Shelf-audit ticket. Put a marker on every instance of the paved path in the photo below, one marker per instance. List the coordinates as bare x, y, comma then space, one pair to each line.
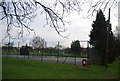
53, 59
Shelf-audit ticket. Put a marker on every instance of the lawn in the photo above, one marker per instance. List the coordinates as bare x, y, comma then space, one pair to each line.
44, 54
25, 69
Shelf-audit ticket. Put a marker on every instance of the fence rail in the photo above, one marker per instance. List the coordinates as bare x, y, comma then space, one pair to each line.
54, 59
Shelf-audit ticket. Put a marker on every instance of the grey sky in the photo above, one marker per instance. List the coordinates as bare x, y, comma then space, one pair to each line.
79, 28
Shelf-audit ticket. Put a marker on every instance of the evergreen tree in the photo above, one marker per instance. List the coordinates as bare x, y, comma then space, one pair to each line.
75, 47
101, 36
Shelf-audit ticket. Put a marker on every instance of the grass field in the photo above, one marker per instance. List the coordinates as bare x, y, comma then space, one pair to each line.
23, 69
45, 54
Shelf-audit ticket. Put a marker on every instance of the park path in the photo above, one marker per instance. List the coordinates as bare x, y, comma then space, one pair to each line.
53, 59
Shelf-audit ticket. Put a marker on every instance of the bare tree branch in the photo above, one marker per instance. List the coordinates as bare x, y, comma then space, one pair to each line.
20, 13
16, 14
101, 4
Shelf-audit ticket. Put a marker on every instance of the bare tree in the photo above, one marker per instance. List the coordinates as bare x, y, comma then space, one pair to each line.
58, 47
38, 43
19, 13
101, 4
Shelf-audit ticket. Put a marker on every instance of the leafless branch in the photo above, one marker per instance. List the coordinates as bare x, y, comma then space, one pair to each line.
101, 4
19, 13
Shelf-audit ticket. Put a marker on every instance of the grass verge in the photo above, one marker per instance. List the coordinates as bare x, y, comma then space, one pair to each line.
23, 69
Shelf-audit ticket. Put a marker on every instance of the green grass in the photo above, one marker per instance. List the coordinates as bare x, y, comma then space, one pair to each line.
23, 69
10, 53
45, 54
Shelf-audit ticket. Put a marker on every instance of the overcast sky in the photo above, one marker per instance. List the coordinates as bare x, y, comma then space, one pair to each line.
79, 28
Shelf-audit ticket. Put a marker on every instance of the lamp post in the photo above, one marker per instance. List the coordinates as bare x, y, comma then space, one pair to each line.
108, 28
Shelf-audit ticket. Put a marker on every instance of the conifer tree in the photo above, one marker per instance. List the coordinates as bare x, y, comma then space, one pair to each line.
100, 34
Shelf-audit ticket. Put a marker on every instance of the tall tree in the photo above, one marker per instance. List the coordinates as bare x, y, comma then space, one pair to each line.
75, 47
38, 43
101, 37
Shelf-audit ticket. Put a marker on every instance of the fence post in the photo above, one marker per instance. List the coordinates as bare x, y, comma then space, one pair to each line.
17, 53
28, 56
65, 59
7, 50
28, 50
18, 49
57, 58
88, 55
8, 47
58, 53
42, 56
75, 61
24, 56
